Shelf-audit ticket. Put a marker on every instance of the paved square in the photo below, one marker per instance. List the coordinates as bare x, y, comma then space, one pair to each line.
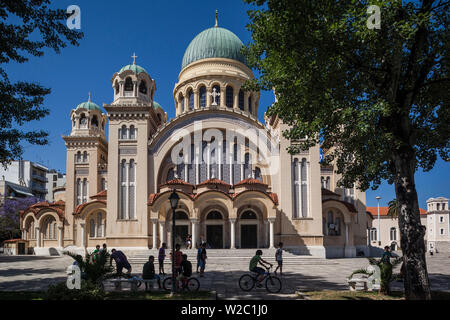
36, 273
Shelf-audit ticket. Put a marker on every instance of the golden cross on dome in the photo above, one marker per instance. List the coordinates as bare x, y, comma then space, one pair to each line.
134, 56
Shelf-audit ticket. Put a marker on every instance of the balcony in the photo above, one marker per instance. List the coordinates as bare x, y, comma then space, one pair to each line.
40, 178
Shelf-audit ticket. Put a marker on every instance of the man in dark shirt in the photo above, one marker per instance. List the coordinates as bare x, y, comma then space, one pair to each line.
121, 261
148, 272
185, 269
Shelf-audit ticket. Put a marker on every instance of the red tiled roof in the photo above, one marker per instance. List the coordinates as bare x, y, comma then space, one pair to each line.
101, 194
214, 181
175, 182
384, 211
13, 240
349, 205
154, 196
80, 207
57, 207
250, 181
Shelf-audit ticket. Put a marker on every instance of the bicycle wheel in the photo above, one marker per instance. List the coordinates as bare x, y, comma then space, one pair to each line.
167, 283
273, 284
192, 285
246, 282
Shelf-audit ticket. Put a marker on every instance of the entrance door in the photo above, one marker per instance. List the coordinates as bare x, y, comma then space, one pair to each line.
21, 248
181, 233
249, 236
214, 236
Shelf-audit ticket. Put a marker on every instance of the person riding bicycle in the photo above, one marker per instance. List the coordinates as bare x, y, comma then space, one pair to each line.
185, 269
254, 266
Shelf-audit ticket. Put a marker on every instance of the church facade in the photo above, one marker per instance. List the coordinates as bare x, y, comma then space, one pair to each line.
238, 186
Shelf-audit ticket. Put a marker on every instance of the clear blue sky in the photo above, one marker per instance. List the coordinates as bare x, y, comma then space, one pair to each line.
159, 32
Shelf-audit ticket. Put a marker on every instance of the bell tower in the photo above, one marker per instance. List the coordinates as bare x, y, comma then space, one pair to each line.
87, 155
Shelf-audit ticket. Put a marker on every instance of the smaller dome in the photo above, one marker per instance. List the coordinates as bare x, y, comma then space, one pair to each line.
156, 105
89, 105
133, 67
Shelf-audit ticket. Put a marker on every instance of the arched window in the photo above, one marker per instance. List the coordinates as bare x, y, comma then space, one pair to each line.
170, 174
250, 105
143, 87
191, 99
85, 190
133, 132
99, 225
248, 215
78, 157
116, 87
94, 121
203, 96
92, 228
123, 190
214, 215
132, 189
258, 175
247, 167
296, 188
229, 97
181, 215
83, 121
241, 99
373, 234
304, 181
85, 157
123, 132
78, 192
192, 168
49, 229
393, 233
327, 183
128, 84
236, 165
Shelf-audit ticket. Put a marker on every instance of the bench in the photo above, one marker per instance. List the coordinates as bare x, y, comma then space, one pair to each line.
358, 284
134, 283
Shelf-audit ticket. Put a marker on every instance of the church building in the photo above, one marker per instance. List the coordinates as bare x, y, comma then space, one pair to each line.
238, 186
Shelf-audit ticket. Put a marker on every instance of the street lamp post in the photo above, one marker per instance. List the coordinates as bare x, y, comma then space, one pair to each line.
174, 198
379, 230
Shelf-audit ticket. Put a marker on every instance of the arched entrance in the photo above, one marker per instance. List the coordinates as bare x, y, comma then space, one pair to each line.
249, 229
214, 230
181, 228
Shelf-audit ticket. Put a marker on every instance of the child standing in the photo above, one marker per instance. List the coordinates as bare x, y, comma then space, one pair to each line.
279, 258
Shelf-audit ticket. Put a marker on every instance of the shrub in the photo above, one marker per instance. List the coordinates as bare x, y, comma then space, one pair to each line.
88, 291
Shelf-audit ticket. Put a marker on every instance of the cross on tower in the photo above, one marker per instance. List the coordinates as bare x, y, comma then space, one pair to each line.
215, 94
134, 56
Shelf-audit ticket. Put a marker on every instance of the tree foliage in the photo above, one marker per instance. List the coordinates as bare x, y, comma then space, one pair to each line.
377, 100
393, 208
351, 88
9, 216
27, 27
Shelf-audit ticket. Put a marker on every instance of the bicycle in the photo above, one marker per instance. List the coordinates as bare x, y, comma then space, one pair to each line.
189, 284
272, 283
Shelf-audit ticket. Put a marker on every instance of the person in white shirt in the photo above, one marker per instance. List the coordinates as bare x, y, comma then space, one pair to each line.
279, 258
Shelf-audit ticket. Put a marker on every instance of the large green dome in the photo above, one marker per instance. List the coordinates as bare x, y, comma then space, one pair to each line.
214, 43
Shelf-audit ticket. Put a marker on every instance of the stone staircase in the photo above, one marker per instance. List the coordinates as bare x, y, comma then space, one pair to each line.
235, 258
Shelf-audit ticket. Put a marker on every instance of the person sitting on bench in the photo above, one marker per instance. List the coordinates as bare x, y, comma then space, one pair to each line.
148, 272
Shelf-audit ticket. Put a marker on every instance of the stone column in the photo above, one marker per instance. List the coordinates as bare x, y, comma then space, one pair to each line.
154, 232
83, 235
60, 237
271, 236
196, 102
246, 95
135, 89
233, 234
186, 103
194, 232
236, 100
38, 237
208, 97
162, 233
121, 88
222, 96
346, 234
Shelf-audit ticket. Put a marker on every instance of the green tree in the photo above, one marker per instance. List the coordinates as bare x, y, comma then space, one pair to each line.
27, 27
376, 99
393, 209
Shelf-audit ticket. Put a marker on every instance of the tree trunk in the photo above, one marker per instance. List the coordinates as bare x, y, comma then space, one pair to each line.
412, 232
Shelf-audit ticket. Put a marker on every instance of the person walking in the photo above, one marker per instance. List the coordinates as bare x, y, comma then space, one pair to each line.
279, 258
203, 258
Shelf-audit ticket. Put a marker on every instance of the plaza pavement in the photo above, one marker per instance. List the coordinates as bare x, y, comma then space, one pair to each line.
33, 273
